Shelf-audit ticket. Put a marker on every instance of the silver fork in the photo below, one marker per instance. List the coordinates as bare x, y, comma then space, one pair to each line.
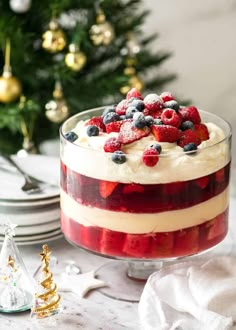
30, 185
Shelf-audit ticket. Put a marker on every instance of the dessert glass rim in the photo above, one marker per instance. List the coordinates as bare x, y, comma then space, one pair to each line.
165, 154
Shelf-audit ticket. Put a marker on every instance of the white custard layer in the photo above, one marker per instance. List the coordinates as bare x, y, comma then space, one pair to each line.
86, 156
137, 223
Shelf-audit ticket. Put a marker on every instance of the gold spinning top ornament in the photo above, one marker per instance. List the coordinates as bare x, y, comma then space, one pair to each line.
101, 33
10, 86
54, 39
75, 59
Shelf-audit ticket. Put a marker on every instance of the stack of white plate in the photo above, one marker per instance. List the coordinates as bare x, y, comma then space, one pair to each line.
37, 215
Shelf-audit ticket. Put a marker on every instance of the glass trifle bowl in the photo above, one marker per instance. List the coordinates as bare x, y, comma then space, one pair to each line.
122, 201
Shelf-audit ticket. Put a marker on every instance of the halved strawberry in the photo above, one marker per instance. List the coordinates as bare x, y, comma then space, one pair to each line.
165, 133
134, 92
162, 244
122, 106
116, 125
112, 242
133, 187
191, 114
128, 133
202, 131
217, 227
186, 241
202, 182
97, 121
188, 136
106, 188
89, 237
137, 245
220, 175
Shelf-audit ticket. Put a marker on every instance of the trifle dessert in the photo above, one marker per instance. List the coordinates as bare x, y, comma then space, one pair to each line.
145, 179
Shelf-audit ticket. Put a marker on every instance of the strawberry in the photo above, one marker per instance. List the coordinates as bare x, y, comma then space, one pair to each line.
191, 114
121, 107
187, 137
174, 188
97, 121
166, 96
201, 131
106, 188
133, 187
162, 244
150, 157
202, 182
112, 144
112, 242
115, 125
137, 245
134, 93
128, 133
220, 175
165, 133
186, 241
171, 117
153, 103
89, 237
217, 227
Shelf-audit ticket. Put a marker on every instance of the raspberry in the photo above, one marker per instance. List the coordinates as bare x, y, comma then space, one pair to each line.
166, 133
153, 103
134, 93
191, 114
171, 117
150, 157
112, 144
166, 96
97, 121
201, 131
187, 137
121, 107
128, 133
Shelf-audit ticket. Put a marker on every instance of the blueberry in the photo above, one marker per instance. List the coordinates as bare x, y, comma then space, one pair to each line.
190, 147
138, 104
158, 121
130, 112
149, 120
172, 105
118, 157
187, 125
110, 117
92, 130
71, 136
157, 147
139, 120
109, 109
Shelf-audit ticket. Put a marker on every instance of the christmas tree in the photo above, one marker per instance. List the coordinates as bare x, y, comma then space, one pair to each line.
60, 57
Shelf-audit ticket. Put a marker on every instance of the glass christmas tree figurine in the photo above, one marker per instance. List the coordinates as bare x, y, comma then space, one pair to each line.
16, 290
47, 301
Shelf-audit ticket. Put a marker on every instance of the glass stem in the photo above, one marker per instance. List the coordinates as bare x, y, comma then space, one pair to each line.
142, 270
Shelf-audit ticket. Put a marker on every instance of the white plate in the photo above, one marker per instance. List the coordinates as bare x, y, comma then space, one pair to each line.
37, 229
42, 167
30, 204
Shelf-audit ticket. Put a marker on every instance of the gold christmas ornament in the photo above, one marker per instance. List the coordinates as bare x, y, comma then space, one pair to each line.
75, 59
134, 80
10, 87
101, 33
47, 302
54, 40
57, 109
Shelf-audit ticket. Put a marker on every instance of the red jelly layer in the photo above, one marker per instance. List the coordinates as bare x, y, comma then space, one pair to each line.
147, 246
142, 198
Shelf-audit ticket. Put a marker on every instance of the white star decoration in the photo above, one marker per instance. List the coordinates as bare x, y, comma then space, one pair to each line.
80, 284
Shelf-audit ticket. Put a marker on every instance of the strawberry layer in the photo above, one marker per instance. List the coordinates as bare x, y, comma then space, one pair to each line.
153, 245
142, 198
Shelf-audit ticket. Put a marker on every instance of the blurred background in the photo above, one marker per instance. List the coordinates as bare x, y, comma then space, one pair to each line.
62, 57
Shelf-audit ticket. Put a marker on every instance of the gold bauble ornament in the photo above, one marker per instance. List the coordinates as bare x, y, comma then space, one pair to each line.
54, 40
10, 86
75, 59
57, 109
134, 80
101, 33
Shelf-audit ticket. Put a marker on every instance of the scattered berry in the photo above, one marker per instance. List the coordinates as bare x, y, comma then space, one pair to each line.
187, 137
112, 144
92, 130
191, 114
110, 117
138, 104
121, 107
190, 147
187, 125
97, 121
149, 120
134, 93
71, 136
166, 96
128, 133
153, 102
139, 120
166, 133
171, 117
172, 105
201, 131
157, 147
118, 157
106, 188
133, 187
150, 157
108, 110
130, 112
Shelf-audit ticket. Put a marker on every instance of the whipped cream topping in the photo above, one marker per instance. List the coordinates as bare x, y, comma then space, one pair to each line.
86, 156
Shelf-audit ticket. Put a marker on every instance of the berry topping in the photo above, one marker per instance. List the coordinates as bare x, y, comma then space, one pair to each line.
153, 102
106, 188
201, 131
92, 130
138, 104
71, 136
139, 120
187, 137
112, 144
128, 133
190, 113
121, 107
166, 96
115, 126
118, 157
171, 105
97, 121
186, 125
130, 112
150, 157
165, 133
109, 109
171, 117
157, 147
190, 147
149, 120
110, 117
134, 93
